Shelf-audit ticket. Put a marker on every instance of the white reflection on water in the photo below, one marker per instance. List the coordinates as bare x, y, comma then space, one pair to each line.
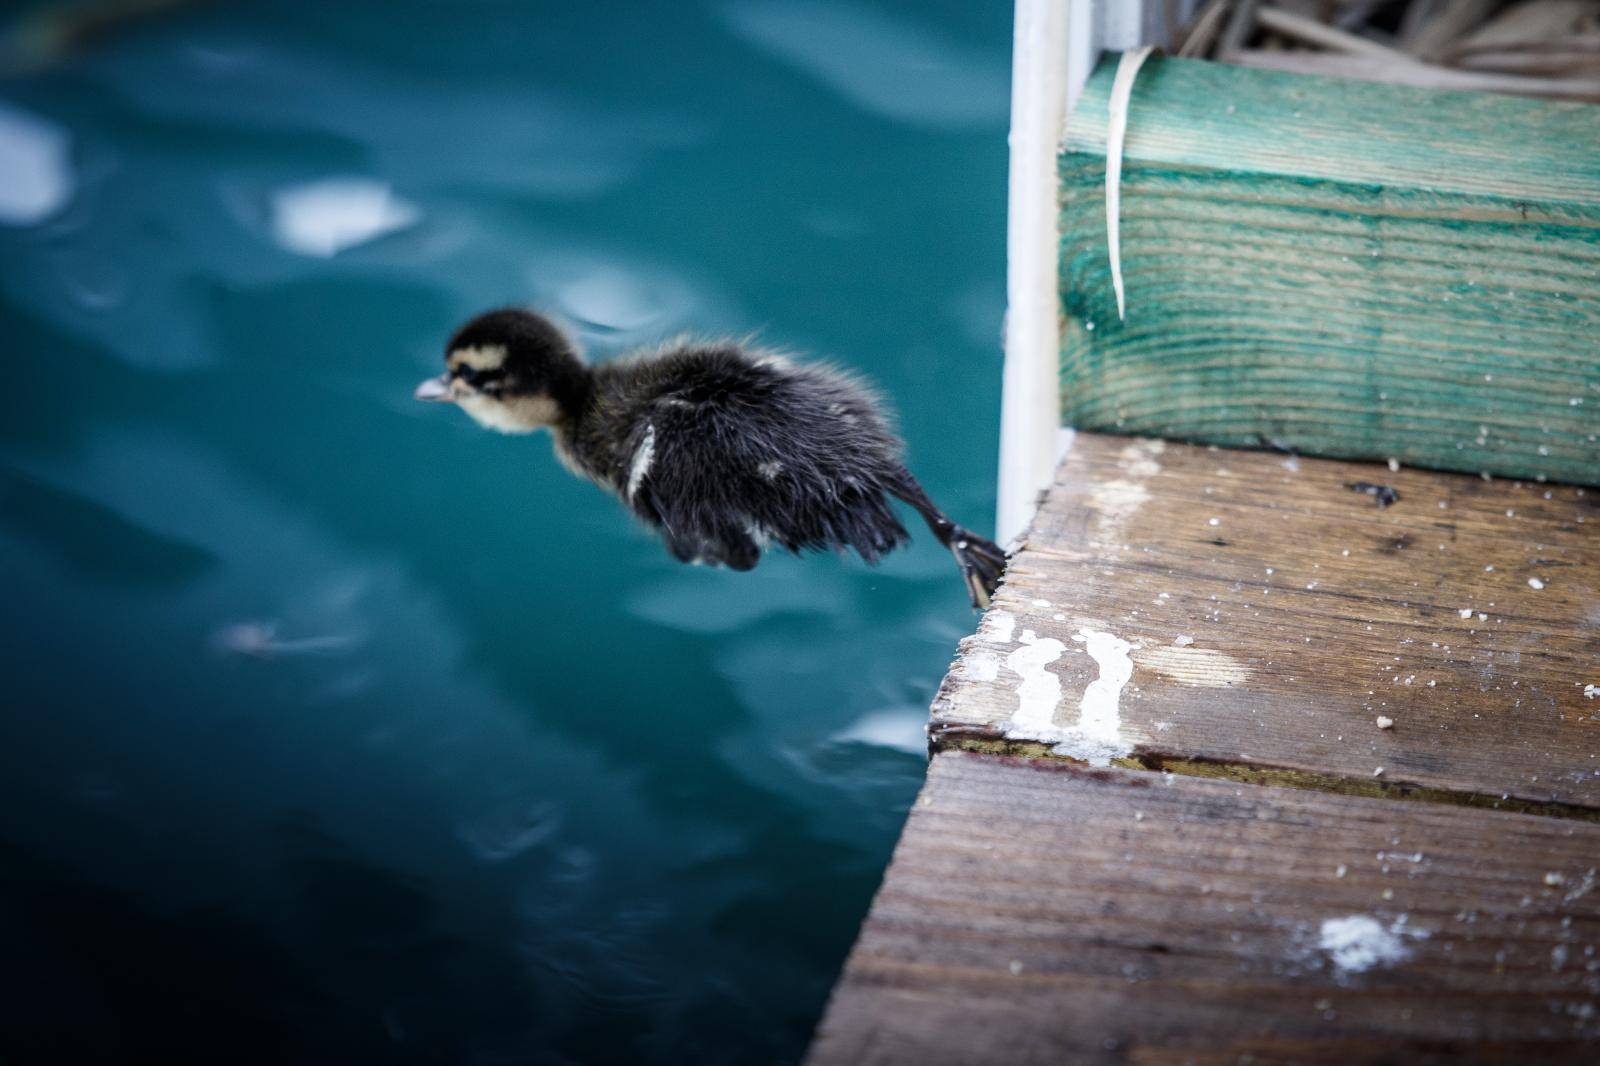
430, 741
323, 218
260, 640
510, 830
431, 773
900, 728
544, 145
618, 301
891, 68
720, 601
91, 282
35, 175
610, 296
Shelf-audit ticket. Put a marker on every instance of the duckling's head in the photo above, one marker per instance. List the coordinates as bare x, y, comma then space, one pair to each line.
511, 370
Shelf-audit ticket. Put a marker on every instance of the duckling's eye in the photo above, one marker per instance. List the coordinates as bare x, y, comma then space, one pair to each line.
467, 374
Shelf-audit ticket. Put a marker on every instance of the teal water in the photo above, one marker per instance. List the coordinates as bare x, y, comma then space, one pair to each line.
337, 729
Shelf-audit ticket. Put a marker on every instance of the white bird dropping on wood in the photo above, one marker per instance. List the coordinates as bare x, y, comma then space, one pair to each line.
1116, 131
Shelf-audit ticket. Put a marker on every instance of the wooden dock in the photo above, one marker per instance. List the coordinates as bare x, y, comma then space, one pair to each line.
1243, 767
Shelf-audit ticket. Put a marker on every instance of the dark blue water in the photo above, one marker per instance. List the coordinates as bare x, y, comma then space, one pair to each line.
338, 730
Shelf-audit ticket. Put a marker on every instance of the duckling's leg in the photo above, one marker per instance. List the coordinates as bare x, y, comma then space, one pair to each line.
981, 561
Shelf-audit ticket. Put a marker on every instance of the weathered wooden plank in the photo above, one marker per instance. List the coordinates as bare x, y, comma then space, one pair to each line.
1421, 75
1352, 269
1304, 613
1193, 115
1037, 912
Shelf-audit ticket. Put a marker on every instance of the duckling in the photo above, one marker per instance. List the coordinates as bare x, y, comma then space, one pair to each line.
721, 448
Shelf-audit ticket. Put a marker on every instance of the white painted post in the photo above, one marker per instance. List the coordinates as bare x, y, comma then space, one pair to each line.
1054, 48
1030, 409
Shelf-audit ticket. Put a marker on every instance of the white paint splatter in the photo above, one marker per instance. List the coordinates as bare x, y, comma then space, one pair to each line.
1040, 690
1100, 711
1115, 502
1535, 584
1096, 738
323, 218
1139, 458
1358, 942
980, 664
997, 627
1119, 497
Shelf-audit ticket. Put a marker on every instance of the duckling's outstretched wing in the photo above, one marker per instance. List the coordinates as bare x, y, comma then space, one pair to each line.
677, 482
740, 453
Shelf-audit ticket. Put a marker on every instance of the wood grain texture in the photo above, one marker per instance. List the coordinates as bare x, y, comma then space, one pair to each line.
1274, 615
1037, 912
1351, 269
1351, 133
1419, 75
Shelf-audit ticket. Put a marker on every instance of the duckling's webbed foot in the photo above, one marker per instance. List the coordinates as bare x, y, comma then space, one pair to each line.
982, 561
982, 564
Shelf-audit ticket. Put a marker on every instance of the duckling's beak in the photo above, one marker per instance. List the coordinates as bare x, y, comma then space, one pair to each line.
435, 389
